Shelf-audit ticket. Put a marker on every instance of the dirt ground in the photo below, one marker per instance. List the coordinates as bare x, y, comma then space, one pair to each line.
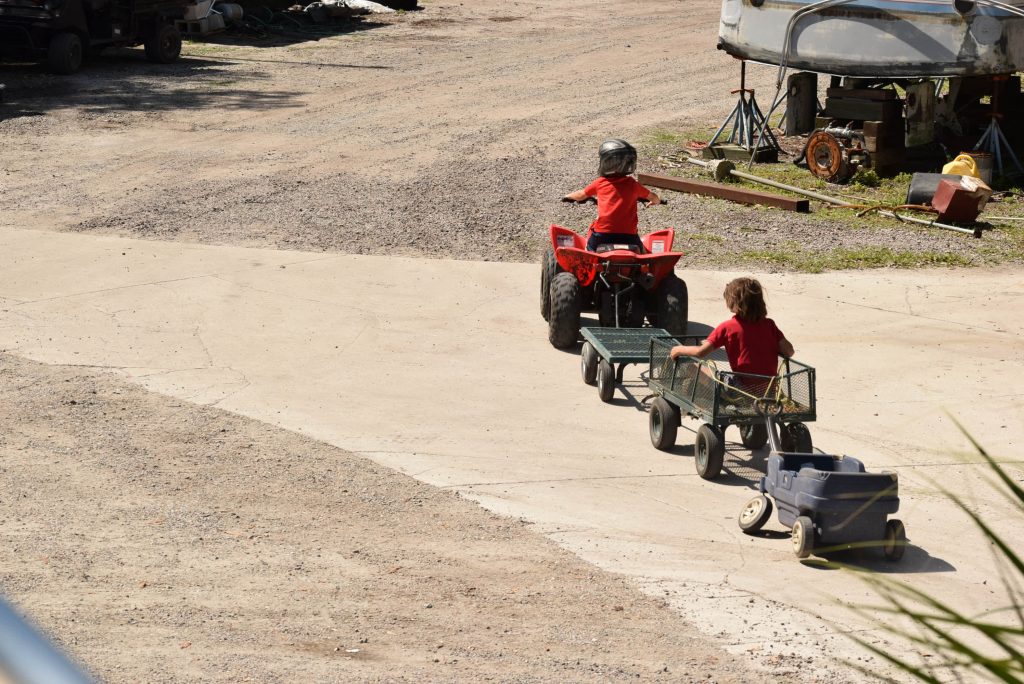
165, 542
447, 132
162, 541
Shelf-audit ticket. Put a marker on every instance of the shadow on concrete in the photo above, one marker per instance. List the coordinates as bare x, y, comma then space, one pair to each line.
262, 28
124, 81
915, 560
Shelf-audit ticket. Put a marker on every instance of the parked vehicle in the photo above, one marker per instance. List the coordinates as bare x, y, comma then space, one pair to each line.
63, 32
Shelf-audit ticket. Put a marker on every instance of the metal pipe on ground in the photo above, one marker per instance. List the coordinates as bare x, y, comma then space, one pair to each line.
723, 168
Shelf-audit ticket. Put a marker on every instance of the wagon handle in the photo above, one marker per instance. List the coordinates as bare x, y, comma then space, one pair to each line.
768, 407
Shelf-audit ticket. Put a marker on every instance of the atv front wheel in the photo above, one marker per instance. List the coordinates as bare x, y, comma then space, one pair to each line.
564, 315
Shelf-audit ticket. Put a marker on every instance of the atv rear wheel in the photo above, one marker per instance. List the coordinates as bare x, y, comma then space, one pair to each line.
548, 268
564, 315
672, 305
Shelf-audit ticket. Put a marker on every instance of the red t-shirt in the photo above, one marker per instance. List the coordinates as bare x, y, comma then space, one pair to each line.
616, 203
751, 347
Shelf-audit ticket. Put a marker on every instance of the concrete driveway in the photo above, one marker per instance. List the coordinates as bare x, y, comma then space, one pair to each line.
442, 370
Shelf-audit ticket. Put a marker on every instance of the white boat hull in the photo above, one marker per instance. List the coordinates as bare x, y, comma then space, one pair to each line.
901, 38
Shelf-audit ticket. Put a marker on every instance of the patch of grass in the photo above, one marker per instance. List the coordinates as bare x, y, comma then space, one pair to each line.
790, 256
703, 237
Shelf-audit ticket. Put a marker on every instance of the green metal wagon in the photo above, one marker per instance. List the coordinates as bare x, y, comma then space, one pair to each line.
708, 390
607, 352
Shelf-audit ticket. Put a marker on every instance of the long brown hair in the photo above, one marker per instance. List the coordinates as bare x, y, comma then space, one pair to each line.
745, 298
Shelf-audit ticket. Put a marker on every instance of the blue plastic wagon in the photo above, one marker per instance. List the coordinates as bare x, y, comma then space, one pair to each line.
830, 502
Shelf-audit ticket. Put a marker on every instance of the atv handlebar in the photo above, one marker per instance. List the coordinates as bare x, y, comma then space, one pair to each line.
593, 200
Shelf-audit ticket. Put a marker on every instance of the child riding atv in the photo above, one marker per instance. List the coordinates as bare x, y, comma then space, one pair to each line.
617, 194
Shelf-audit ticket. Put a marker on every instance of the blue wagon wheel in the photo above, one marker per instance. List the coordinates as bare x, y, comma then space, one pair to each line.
803, 537
895, 540
755, 514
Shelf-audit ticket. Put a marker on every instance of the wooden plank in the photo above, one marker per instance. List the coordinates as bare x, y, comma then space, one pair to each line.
735, 194
854, 109
863, 93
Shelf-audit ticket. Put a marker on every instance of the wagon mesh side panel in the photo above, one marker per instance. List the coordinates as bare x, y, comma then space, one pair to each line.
661, 362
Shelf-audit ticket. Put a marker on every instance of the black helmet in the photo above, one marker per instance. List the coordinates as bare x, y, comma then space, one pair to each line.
618, 158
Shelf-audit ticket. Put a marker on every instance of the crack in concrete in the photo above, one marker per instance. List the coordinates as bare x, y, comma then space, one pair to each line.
115, 289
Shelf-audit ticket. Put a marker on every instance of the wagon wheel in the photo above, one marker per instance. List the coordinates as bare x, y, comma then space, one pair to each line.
663, 423
753, 436
895, 540
803, 536
796, 438
605, 380
755, 514
588, 363
710, 451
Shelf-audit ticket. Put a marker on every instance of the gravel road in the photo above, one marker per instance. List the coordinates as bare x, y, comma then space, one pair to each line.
447, 132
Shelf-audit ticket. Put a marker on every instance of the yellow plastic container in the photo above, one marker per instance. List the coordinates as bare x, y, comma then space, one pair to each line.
963, 165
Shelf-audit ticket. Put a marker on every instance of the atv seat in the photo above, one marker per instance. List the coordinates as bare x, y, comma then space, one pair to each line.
615, 246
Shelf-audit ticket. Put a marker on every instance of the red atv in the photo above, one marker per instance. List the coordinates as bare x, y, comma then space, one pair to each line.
623, 283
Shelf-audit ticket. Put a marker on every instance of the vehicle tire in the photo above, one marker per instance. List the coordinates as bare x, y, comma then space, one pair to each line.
663, 423
605, 380
588, 363
755, 514
753, 436
803, 537
672, 305
796, 438
64, 55
709, 449
895, 540
564, 318
548, 268
163, 45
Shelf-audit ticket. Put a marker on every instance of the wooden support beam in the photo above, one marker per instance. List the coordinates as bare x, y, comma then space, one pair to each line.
735, 194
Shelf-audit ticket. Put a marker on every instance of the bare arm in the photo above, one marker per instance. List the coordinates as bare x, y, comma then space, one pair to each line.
653, 199
699, 352
577, 196
785, 348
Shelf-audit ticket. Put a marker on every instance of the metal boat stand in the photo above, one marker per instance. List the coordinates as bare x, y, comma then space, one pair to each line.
993, 140
747, 120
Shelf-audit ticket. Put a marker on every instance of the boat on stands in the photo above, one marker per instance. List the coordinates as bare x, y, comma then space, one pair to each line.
878, 38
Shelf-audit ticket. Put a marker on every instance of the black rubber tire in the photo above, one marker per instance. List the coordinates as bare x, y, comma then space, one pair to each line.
663, 424
755, 514
895, 540
564, 318
163, 44
754, 436
65, 53
588, 363
672, 305
548, 268
605, 380
803, 537
709, 451
796, 438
